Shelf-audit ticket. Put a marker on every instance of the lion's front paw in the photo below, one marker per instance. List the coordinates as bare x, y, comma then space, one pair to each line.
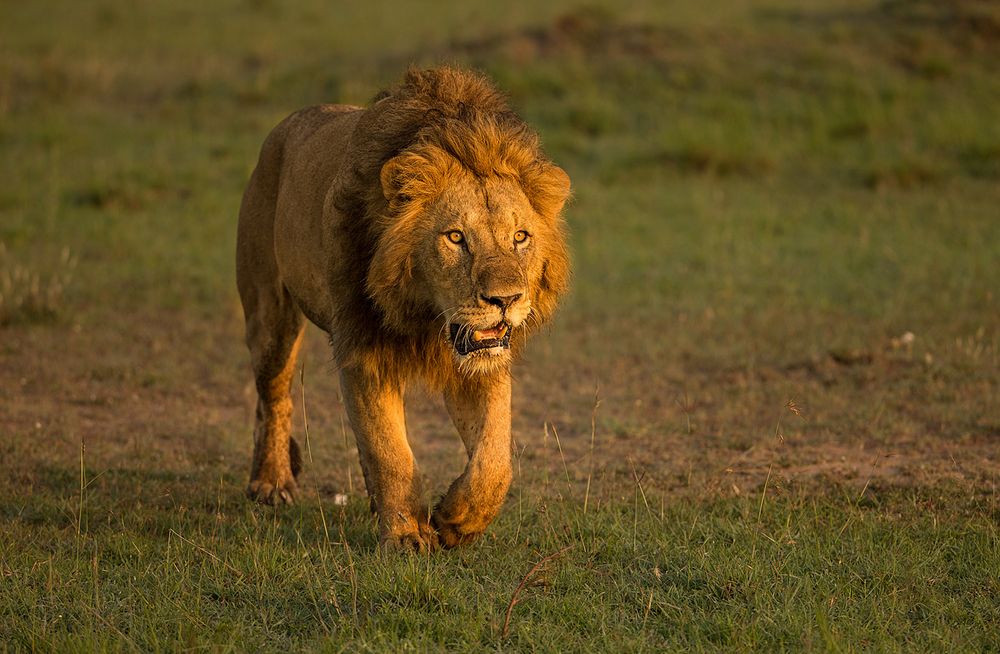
452, 533
274, 492
421, 539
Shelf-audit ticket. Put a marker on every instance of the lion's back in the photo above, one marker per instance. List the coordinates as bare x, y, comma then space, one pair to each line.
282, 213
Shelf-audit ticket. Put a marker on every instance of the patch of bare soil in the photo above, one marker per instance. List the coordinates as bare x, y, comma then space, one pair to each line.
176, 397
883, 417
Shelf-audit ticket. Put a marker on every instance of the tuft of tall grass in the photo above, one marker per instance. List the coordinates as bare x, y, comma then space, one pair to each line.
28, 295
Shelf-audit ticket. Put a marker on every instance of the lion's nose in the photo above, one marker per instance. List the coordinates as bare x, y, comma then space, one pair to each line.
502, 301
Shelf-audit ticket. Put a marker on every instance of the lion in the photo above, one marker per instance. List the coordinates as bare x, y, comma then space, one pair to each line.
424, 234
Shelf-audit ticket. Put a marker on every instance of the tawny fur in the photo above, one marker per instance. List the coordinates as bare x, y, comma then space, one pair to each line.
344, 223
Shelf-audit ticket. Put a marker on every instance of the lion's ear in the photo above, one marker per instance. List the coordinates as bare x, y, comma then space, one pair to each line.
392, 177
415, 175
549, 188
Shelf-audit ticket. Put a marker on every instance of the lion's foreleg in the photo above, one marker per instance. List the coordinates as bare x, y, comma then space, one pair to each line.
480, 409
375, 409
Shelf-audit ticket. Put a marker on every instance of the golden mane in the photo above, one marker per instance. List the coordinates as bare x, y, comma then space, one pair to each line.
458, 113
404, 150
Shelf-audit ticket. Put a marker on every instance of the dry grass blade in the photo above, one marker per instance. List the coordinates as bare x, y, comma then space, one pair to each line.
562, 457
121, 634
210, 553
593, 437
638, 483
524, 582
871, 474
760, 514
305, 414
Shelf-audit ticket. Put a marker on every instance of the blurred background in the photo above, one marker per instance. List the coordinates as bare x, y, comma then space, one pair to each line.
785, 233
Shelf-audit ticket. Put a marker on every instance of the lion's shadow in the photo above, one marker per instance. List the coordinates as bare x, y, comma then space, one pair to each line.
162, 504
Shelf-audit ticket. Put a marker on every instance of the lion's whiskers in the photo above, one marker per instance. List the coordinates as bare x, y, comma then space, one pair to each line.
443, 332
532, 320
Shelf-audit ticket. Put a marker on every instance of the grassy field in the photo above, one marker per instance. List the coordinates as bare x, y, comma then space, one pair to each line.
765, 419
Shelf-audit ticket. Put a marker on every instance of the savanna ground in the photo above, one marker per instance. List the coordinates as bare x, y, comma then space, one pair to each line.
786, 236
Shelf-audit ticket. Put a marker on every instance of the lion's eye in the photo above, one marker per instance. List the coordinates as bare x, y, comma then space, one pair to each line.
455, 236
520, 236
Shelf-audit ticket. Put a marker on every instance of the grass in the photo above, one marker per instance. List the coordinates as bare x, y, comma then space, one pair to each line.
25, 295
775, 207
910, 572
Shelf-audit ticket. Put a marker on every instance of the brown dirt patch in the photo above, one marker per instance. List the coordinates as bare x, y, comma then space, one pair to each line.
175, 396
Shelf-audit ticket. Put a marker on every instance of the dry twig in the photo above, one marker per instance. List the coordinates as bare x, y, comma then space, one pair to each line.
524, 582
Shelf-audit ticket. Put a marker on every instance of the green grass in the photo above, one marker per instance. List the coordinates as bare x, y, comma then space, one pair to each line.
196, 570
767, 198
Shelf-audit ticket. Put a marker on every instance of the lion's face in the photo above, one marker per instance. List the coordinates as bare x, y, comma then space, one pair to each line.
480, 262
478, 255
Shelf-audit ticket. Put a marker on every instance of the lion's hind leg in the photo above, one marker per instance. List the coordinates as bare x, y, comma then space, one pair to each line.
274, 325
274, 333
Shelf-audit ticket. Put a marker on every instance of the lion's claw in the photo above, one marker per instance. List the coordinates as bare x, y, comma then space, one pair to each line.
272, 494
449, 534
422, 541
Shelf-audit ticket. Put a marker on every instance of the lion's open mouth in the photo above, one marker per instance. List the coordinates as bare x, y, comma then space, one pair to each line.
468, 340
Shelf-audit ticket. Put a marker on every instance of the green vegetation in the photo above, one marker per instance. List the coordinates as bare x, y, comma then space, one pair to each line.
195, 572
786, 240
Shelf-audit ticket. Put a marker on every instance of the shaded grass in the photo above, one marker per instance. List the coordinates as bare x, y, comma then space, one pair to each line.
906, 572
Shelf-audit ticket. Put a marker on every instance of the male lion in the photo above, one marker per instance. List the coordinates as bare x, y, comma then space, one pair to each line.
423, 233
